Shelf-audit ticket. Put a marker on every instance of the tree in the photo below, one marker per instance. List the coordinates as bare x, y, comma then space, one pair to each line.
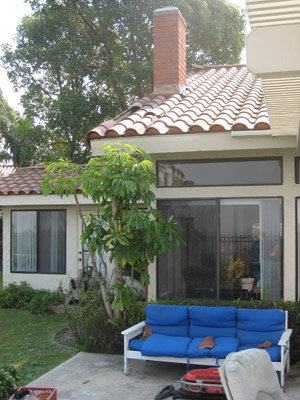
119, 182
81, 62
22, 142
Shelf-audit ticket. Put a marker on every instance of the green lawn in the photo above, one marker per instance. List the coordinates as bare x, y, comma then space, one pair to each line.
26, 342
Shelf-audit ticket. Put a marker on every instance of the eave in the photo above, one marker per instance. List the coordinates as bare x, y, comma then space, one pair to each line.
273, 55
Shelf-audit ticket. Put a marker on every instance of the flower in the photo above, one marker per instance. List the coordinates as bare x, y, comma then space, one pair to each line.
152, 217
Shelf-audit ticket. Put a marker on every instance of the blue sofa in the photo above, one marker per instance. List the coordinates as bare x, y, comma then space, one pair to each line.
177, 332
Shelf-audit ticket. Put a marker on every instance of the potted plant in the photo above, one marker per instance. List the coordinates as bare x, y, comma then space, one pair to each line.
239, 274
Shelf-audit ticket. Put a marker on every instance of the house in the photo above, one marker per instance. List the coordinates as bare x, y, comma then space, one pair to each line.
229, 180
40, 234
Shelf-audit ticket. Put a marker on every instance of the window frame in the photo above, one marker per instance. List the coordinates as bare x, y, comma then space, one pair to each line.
297, 236
219, 160
297, 175
37, 211
219, 199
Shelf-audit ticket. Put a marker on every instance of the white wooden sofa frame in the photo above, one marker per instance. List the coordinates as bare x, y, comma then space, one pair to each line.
138, 329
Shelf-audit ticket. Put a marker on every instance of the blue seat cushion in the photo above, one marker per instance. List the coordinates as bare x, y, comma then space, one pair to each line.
257, 326
136, 344
168, 320
165, 346
212, 321
224, 346
195, 352
273, 351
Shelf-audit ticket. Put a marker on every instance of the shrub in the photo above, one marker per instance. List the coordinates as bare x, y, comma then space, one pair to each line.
8, 378
23, 296
43, 301
16, 296
91, 326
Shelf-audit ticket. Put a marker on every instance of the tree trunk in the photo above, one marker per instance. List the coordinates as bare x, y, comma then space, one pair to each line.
99, 278
118, 275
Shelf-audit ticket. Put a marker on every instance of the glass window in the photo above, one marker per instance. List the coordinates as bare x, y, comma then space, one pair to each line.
227, 240
267, 171
191, 270
38, 241
87, 262
250, 248
24, 239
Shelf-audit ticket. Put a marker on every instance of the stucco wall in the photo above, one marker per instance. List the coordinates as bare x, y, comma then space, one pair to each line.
73, 248
288, 191
230, 145
167, 148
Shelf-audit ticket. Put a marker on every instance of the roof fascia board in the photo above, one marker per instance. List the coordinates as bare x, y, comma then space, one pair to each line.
208, 141
40, 200
252, 133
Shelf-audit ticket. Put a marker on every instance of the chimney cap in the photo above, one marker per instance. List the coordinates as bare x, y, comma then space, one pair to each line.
160, 10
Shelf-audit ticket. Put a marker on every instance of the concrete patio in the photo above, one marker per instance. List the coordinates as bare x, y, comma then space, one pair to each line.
100, 376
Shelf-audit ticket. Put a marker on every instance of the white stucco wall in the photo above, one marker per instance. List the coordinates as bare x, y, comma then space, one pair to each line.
73, 245
225, 145
180, 147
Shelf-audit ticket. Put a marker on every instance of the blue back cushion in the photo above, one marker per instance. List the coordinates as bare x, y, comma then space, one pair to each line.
212, 321
256, 326
168, 320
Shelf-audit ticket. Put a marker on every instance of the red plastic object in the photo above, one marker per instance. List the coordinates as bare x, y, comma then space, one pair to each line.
203, 381
40, 393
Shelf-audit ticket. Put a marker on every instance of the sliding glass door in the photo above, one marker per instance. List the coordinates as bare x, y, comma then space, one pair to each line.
190, 271
227, 240
250, 248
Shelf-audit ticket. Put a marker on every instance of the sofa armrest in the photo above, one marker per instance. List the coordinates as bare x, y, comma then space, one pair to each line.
285, 337
134, 330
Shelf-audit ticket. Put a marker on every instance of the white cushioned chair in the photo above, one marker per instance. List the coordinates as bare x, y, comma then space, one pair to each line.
249, 375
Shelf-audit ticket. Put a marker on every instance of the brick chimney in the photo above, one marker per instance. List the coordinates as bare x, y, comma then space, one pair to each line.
169, 51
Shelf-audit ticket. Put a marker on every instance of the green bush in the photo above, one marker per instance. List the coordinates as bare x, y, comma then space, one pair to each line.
23, 296
8, 378
16, 296
91, 327
44, 300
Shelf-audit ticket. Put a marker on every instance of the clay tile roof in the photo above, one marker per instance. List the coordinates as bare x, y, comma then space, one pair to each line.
217, 99
24, 181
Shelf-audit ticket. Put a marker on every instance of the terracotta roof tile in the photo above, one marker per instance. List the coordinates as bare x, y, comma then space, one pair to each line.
24, 181
217, 98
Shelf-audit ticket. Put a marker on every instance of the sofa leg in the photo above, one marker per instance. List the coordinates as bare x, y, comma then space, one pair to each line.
126, 369
282, 382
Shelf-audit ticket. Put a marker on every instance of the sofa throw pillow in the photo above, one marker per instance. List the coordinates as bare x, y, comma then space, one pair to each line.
207, 343
265, 345
147, 332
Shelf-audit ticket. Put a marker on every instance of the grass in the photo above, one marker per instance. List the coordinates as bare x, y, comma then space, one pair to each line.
26, 342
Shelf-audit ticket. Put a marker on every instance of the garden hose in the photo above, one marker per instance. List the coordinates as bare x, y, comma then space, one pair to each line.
62, 345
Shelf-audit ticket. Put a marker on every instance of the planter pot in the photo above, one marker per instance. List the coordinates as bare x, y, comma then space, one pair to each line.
247, 283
